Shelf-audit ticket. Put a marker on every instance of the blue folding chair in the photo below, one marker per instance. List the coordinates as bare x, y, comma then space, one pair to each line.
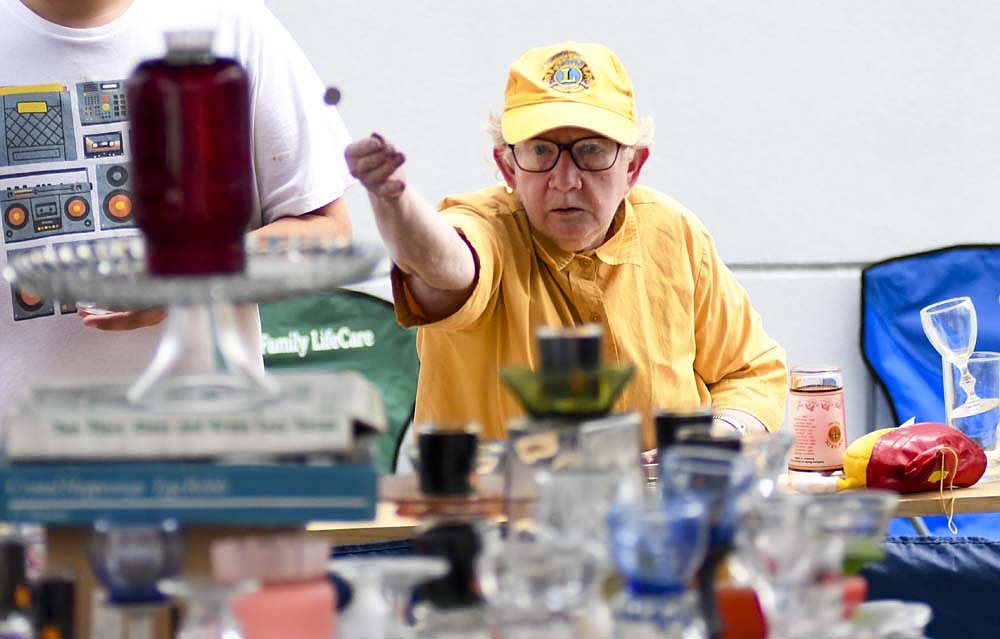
897, 352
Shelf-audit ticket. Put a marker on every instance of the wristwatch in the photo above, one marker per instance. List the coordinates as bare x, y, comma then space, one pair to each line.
735, 424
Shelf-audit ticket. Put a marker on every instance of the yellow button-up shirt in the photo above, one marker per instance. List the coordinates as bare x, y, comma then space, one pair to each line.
668, 305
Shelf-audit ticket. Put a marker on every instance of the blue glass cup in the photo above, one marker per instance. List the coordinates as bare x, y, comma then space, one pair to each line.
723, 481
128, 558
657, 545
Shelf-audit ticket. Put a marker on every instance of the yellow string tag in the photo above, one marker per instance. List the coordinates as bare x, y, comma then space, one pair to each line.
949, 508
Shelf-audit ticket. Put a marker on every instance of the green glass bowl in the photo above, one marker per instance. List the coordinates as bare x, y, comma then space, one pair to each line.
577, 393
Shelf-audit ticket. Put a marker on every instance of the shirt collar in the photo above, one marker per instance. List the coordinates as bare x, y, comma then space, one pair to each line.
621, 248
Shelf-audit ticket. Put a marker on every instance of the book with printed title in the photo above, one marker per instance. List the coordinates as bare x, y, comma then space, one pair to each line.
315, 412
206, 493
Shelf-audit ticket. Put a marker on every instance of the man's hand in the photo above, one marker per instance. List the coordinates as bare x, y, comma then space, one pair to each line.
122, 320
377, 164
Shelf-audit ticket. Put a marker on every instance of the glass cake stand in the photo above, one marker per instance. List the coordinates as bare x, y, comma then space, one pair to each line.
201, 363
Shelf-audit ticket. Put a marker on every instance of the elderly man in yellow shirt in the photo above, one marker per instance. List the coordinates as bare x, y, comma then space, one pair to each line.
570, 239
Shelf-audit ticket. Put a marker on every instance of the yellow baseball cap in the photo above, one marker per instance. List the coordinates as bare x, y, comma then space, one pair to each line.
576, 84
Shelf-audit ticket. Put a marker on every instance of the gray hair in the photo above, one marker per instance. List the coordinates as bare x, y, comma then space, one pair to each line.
647, 131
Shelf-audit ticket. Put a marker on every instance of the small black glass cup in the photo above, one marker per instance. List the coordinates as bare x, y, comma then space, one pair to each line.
569, 360
448, 455
696, 436
566, 348
670, 422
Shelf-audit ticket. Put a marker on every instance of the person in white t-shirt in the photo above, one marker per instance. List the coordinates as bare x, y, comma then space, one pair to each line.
64, 154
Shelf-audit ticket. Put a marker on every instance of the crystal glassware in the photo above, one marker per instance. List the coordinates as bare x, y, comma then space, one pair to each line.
201, 363
951, 327
980, 420
538, 449
207, 610
129, 559
723, 481
769, 454
381, 592
578, 394
657, 546
861, 518
794, 561
534, 585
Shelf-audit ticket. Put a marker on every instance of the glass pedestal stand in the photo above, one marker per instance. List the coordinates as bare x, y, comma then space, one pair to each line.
201, 363
452, 527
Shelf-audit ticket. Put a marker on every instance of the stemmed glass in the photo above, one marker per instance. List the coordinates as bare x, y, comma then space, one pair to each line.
208, 614
382, 587
657, 546
722, 480
128, 559
951, 327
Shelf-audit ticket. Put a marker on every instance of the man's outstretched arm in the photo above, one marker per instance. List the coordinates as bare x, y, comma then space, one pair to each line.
437, 265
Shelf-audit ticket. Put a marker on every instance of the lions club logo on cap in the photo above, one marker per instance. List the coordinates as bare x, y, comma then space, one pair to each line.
568, 72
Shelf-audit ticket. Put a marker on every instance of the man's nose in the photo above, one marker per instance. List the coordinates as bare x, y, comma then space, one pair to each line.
565, 176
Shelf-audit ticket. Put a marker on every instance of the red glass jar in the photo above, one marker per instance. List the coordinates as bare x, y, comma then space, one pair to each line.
191, 157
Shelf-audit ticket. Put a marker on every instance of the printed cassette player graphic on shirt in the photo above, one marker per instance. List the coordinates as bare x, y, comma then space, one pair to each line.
64, 171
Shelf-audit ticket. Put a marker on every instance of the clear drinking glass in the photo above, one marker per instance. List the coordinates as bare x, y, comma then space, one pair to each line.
951, 327
978, 420
769, 453
861, 518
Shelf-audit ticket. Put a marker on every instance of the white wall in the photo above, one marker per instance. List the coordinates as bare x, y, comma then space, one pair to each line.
811, 136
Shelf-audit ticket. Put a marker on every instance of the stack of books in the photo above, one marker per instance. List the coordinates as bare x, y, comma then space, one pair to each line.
78, 451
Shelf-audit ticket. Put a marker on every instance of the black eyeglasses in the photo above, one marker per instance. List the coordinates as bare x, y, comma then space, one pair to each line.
588, 154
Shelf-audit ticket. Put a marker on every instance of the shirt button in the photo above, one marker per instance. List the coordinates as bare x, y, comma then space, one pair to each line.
594, 317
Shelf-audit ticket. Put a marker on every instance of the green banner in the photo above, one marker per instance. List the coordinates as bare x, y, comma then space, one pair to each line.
345, 330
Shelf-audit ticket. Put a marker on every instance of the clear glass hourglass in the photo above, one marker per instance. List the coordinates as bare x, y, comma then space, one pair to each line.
207, 611
381, 592
951, 327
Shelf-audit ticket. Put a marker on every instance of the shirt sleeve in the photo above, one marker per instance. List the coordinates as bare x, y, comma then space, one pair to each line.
485, 251
299, 140
742, 366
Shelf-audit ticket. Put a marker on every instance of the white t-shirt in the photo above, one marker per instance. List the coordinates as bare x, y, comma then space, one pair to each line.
64, 153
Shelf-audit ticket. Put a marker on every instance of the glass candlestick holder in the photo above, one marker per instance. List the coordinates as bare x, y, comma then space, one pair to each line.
207, 610
382, 588
129, 559
657, 547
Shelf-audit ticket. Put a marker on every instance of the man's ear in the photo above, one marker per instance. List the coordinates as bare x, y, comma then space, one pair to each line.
505, 169
639, 157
